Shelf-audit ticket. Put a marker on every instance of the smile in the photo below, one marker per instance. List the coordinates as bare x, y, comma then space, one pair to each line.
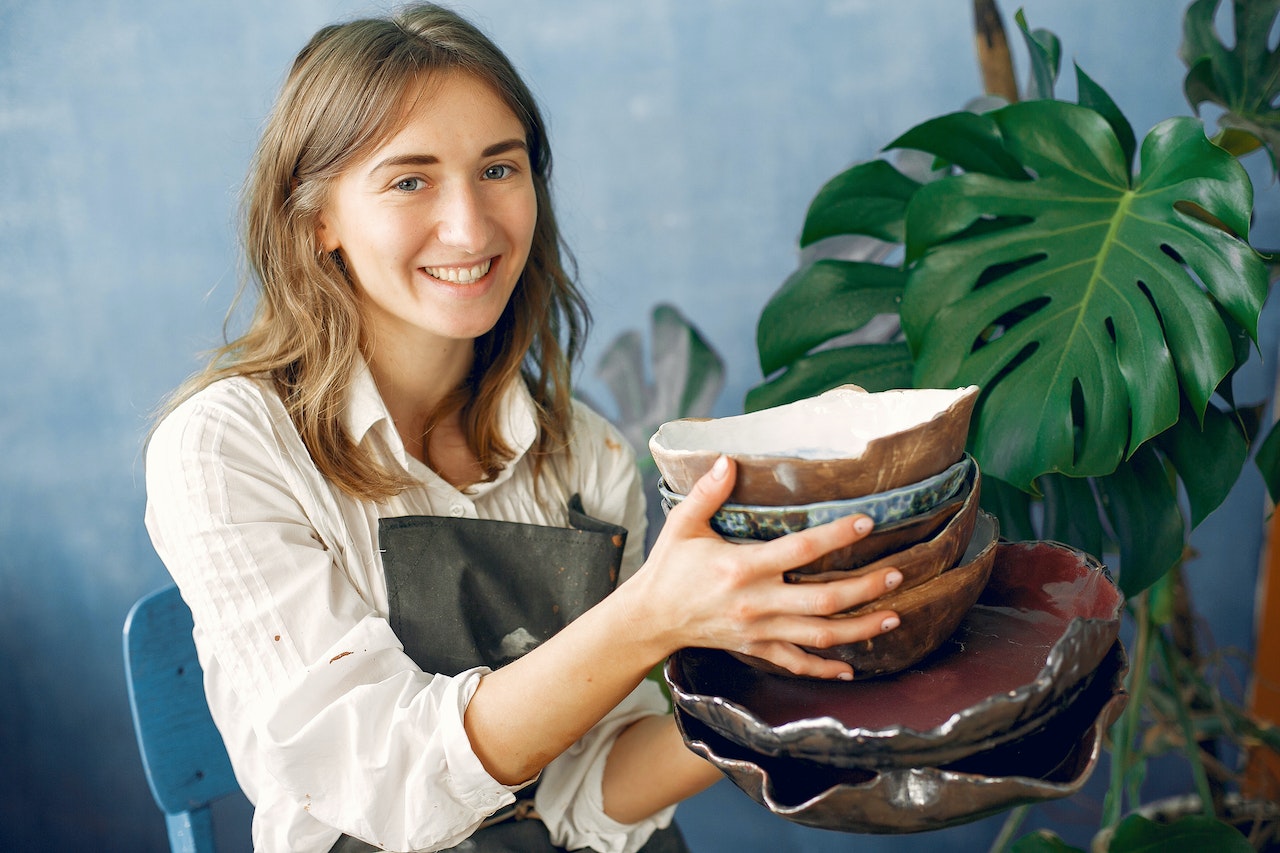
460, 275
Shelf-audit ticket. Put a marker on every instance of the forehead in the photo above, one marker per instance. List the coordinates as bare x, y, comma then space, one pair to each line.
452, 106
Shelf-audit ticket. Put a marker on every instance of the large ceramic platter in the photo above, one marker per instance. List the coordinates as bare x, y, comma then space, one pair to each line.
1046, 619
1052, 763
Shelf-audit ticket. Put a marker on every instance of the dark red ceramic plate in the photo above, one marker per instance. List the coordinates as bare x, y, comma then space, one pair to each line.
1052, 763
1045, 620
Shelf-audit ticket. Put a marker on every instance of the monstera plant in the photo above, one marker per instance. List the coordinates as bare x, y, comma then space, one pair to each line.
683, 377
1101, 291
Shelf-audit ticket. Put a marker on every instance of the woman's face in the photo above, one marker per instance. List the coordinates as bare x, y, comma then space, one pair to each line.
435, 225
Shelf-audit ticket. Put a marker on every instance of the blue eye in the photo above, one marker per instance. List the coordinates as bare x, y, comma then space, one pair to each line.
409, 185
498, 172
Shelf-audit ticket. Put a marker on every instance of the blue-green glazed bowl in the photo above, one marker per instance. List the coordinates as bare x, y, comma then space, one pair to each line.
769, 522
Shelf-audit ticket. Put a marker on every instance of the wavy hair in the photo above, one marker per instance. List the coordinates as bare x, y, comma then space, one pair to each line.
345, 94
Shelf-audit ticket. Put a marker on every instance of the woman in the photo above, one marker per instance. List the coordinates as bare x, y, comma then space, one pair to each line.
398, 534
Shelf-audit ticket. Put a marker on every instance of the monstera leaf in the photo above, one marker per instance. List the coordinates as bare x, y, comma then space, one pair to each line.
1102, 296
687, 377
819, 330
1083, 300
1243, 79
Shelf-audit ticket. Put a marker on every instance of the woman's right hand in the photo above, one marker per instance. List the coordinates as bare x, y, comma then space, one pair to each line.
696, 589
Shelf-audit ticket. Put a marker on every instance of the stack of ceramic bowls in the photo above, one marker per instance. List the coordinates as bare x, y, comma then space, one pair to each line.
896, 456
995, 690
1010, 710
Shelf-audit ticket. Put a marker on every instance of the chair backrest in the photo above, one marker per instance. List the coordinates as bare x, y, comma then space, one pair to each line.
182, 752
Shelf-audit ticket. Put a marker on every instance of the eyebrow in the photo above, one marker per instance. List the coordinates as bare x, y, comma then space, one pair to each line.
430, 159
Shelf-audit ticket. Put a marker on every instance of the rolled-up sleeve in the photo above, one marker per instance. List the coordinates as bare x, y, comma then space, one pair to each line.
570, 797
320, 708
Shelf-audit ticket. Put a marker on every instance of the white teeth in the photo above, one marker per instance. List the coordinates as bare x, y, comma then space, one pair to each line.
459, 275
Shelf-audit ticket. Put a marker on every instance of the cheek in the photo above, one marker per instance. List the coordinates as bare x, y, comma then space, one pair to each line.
528, 217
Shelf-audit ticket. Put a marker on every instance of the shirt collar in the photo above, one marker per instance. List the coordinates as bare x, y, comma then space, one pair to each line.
365, 410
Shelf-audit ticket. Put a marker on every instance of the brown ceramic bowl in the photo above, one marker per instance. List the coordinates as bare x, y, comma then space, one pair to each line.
919, 558
930, 613
842, 444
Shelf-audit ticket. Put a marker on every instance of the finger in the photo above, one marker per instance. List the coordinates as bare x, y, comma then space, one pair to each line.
791, 658
805, 546
827, 598
825, 632
707, 495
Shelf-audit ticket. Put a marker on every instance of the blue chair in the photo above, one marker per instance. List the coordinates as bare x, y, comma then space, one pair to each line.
182, 752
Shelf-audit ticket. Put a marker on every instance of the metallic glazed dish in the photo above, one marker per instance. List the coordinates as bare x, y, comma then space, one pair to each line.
1047, 618
1050, 763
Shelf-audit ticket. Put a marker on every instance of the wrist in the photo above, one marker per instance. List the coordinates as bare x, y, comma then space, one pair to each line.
641, 620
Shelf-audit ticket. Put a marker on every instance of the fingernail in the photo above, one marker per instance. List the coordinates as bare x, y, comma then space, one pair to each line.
862, 525
845, 676
889, 624
721, 468
892, 579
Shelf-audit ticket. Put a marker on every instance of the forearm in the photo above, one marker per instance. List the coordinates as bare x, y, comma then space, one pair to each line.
530, 711
694, 590
650, 768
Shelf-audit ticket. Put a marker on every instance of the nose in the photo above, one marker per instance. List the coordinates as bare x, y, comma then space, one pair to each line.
464, 221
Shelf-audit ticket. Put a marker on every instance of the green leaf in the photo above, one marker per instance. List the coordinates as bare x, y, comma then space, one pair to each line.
1192, 834
1142, 505
1045, 52
876, 367
870, 198
1208, 459
965, 139
1081, 307
1011, 506
822, 301
1094, 97
1243, 79
1162, 600
1268, 461
688, 376
1071, 513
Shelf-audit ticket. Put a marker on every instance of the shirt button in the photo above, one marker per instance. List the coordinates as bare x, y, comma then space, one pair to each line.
457, 510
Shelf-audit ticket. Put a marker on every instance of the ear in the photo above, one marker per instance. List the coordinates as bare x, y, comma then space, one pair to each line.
326, 235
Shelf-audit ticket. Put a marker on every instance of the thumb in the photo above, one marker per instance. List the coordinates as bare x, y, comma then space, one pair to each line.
708, 494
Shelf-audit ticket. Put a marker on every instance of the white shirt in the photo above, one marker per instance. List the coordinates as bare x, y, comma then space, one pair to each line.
331, 728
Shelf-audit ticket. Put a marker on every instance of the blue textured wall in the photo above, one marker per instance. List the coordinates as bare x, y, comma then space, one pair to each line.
690, 137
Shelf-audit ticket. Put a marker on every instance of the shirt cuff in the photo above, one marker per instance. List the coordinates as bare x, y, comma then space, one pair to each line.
466, 776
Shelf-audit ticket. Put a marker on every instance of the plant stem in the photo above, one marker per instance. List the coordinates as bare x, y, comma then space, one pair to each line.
1009, 829
1191, 744
1124, 730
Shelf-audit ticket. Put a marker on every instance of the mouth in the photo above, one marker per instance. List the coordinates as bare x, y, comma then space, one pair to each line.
460, 275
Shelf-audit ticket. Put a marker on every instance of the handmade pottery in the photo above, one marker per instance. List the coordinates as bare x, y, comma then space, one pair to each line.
1047, 617
929, 611
885, 539
917, 559
1048, 764
746, 521
842, 444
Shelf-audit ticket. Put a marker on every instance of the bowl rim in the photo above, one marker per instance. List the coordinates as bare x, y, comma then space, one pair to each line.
963, 397
952, 476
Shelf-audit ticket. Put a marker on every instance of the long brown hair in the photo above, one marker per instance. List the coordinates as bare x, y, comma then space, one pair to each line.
346, 94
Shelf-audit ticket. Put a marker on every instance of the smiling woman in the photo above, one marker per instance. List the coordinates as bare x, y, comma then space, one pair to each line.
434, 227
414, 563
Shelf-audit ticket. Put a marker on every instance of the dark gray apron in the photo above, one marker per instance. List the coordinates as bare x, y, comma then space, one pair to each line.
465, 592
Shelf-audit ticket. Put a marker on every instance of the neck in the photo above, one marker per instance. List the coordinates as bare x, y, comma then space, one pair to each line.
413, 381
